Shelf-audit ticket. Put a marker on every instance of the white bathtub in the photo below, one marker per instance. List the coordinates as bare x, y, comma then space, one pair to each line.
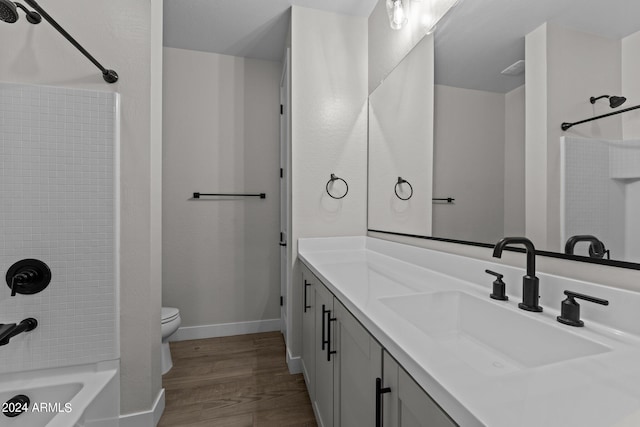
76, 396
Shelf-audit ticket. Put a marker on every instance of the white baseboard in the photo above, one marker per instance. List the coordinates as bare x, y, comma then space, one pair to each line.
294, 364
148, 418
225, 330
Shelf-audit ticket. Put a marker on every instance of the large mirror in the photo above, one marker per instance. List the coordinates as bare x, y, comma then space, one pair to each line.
507, 75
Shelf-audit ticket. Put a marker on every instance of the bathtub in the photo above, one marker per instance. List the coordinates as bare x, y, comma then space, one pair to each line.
75, 396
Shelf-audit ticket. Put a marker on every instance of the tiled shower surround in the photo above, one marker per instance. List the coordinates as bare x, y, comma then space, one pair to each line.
57, 204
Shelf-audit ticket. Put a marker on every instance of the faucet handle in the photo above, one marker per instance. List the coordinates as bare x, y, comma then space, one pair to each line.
499, 287
570, 309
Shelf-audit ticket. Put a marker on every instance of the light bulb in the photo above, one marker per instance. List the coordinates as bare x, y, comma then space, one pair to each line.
397, 13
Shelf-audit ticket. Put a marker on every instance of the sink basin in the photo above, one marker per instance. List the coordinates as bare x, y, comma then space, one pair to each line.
492, 339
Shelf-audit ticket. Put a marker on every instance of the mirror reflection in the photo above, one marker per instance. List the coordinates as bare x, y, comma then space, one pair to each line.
401, 146
504, 83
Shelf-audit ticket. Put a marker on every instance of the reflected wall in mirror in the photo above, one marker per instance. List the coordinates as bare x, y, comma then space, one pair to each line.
497, 138
401, 145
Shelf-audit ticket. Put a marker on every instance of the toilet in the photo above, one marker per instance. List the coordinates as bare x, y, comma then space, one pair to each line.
170, 324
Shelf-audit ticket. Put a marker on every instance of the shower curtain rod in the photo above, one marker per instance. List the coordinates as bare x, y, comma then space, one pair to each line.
567, 126
109, 76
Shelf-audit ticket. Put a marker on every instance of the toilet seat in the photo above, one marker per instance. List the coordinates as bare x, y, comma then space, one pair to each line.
170, 323
169, 314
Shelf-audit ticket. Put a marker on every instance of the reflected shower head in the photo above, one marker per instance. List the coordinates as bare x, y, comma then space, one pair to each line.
614, 101
9, 12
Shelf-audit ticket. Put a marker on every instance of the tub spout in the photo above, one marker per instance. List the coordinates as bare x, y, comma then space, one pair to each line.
10, 330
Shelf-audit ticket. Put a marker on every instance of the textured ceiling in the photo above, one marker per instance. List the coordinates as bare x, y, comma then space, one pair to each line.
474, 42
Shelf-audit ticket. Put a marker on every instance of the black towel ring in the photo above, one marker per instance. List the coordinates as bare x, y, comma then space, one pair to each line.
335, 178
403, 181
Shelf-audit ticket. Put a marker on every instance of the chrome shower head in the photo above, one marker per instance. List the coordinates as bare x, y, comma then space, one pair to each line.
614, 101
9, 12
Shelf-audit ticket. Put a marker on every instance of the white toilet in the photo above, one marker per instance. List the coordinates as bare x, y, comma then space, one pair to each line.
170, 323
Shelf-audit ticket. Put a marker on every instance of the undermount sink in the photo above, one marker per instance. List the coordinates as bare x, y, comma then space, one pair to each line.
492, 339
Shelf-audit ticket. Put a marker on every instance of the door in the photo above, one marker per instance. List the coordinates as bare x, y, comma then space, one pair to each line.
285, 186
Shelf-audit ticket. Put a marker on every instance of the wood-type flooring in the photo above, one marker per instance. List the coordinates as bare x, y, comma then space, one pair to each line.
234, 382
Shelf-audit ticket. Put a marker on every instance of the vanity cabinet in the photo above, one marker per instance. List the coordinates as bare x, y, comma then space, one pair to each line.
357, 364
406, 404
352, 381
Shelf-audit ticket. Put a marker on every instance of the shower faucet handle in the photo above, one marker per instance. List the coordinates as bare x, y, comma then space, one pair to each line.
28, 276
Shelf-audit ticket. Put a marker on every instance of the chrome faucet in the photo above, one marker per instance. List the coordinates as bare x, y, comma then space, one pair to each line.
530, 283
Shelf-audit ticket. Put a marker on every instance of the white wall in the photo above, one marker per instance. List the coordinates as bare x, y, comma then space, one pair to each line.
220, 256
57, 204
120, 35
514, 163
329, 134
469, 164
536, 136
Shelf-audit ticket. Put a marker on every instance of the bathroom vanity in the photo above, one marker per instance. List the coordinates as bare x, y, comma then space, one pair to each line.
397, 335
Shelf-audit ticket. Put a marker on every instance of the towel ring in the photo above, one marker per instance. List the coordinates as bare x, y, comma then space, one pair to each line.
331, 180
403, 181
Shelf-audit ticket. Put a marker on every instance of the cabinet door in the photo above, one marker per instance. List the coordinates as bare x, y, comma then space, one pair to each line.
358, 362
309, 331
323, 403
407, 405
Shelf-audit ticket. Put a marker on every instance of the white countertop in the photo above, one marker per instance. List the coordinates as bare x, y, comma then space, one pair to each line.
598, 390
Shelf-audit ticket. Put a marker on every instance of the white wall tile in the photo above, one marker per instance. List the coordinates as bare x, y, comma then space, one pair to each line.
57, 204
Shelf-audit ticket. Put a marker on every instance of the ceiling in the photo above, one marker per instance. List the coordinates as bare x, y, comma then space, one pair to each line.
248, 28
480, 38
474, 42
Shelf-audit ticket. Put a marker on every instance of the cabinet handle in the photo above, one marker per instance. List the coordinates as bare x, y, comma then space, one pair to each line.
324, 311
379, 392
306, 284
329, 320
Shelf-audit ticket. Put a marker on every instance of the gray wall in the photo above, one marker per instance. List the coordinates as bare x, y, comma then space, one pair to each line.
514, 162
128, 43
469, 151
220, 257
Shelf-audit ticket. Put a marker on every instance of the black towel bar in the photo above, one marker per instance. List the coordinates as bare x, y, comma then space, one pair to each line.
198, 195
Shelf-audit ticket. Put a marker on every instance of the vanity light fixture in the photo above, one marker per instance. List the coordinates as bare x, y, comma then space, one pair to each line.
398, 11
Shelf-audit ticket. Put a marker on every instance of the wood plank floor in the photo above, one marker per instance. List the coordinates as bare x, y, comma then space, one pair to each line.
234, 381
